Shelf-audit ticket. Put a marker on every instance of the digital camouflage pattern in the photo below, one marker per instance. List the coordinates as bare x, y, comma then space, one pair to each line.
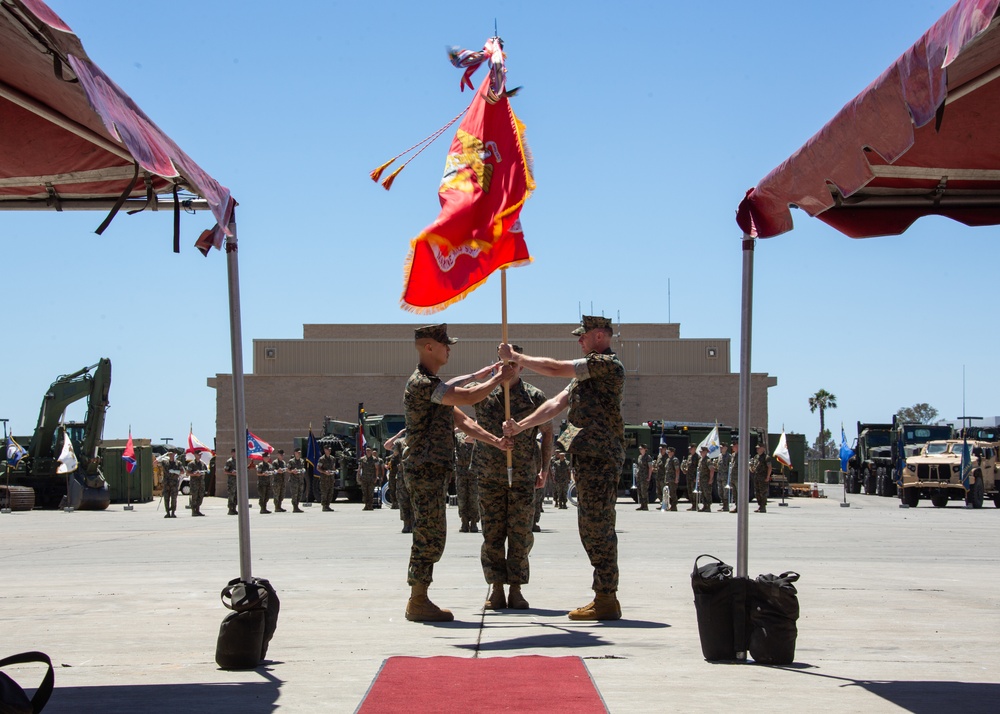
673, 476
263, 484
296, 479
595, 437
705, 468
366, 479
758, 471
328, 463
508, 512
279, 470
722, 467
402, 492
171, 481
642, 478
466, 480
430, 462
196, 483
230, 470
392, 464
559, 472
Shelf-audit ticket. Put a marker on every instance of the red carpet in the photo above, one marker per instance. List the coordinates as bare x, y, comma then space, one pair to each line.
435, 685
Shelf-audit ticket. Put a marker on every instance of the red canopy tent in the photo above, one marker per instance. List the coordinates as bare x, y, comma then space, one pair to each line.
71, 139
919, 140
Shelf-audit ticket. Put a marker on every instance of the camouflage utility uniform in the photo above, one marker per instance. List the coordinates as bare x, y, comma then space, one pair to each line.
196, 483
368, 465
392, 476
733, 479
672, 482
559, 470
329, 464
466, 484
296, 480
263, 484
758, 470
278, 477
642, 479
595, 438
721, 477
507, 510
690, 470
230, 470
660, 475
430, 462
171, 481
402, 492
705, 469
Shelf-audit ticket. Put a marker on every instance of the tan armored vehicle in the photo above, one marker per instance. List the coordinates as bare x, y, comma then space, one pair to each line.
936, 473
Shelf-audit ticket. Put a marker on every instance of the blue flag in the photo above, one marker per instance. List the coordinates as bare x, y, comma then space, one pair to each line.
312, 450
14, 452
846, 452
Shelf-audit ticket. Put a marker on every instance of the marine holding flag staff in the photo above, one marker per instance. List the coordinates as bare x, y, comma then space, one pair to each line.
432, 414
595, 438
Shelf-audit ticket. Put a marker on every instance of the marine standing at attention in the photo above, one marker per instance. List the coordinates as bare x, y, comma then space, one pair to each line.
595, 439
432, 414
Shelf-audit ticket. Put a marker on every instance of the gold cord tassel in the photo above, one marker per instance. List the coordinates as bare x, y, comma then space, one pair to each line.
377, 173
387, 184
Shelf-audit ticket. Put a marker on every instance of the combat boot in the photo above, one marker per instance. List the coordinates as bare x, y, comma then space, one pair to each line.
603, 607
465, 527
232, 511
473, 528
420, 609
407, 528
296, 509
496, 600
264, 510
515, 600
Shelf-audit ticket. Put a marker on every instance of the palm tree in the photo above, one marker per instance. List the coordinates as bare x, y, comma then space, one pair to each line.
822, 400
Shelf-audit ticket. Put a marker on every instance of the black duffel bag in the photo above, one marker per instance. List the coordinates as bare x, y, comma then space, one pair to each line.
774, 607
246, 632
13, 699
720, 604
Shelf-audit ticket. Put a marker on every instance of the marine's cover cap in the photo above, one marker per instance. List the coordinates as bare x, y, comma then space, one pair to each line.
438, 333
592, 322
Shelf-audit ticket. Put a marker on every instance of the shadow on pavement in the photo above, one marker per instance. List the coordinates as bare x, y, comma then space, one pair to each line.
563, 639
923, 697
243, 698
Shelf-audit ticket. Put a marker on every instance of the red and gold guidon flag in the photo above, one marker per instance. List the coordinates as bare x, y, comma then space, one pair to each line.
487, 178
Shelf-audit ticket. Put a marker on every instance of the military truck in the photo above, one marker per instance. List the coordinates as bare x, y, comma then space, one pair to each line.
908, 440
872, 458
936, 473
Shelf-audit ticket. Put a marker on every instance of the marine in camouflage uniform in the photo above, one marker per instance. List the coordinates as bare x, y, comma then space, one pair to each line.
466, 484
326, 466
264, 482
660, 475
296, 479
230, 471
402, 492
431, 410
644, 465
734, 475
595, 438
690, 469
760, 470
508, 511
367, 475
721, 476
391, 475
196, 484
559, 471
171, 480
673, 478
278, 477
706, 475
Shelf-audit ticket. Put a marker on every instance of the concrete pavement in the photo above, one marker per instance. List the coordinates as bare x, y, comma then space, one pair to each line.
900, 607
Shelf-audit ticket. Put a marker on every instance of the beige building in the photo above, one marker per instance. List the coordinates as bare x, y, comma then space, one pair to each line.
298, 382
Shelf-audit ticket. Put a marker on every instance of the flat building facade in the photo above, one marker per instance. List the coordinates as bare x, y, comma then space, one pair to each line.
295, 383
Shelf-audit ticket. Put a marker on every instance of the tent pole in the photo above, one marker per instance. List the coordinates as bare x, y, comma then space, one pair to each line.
239, 401
743, 472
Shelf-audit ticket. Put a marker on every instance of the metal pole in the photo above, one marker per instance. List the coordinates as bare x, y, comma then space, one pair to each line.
506, 386
239, 401
743, 472
6, 467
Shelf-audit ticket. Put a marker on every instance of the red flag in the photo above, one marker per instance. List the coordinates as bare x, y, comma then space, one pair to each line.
487, 178
128, 456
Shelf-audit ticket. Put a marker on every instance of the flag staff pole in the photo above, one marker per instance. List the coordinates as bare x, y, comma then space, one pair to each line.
6, 467
506, 385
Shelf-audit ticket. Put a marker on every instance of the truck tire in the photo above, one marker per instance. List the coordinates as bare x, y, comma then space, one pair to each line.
940, 500
869, 480
996, 501
911, 497
976, 492
880, 483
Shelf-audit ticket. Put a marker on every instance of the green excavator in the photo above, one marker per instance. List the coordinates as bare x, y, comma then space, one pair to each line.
35, 481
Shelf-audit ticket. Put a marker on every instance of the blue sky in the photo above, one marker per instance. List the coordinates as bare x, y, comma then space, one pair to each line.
647, 120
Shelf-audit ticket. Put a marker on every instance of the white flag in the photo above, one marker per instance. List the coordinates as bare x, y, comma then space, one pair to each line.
67, 459
711, 442
781, 451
